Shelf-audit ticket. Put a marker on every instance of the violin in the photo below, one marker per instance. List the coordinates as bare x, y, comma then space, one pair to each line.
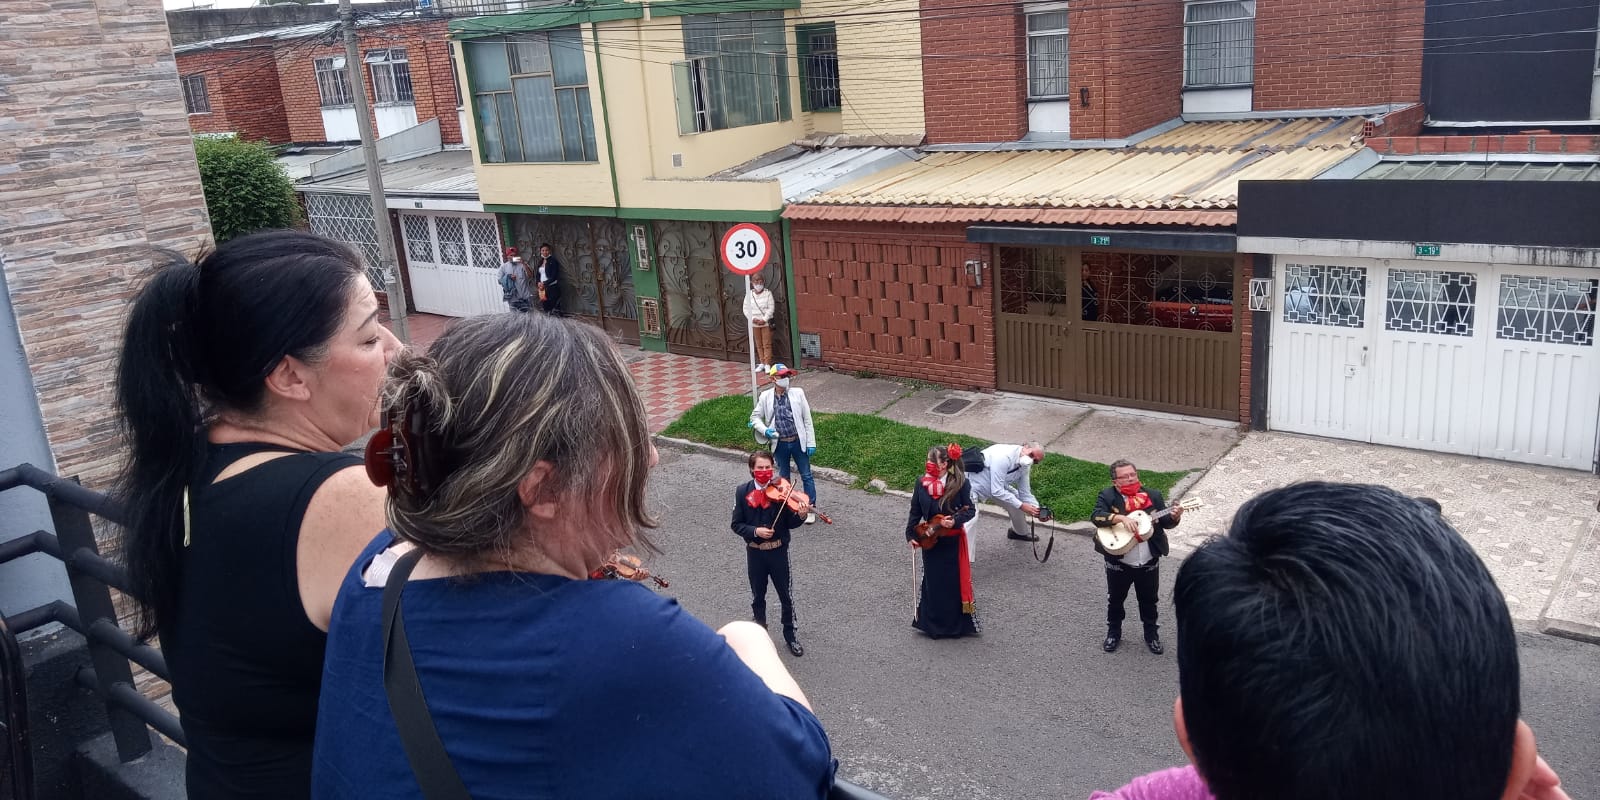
621, 566
782, 491
929, 531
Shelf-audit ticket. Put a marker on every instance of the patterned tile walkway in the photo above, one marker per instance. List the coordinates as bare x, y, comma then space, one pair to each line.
1522, 519
669, 383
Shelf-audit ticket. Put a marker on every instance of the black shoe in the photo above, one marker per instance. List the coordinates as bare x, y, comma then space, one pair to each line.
1112, 640
760, 621
1154, 643
796, 649
1022, 537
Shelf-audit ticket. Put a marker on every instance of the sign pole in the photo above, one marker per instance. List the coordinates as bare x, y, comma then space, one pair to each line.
750, 337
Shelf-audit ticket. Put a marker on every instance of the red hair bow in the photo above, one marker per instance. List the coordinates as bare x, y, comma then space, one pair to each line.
955, 451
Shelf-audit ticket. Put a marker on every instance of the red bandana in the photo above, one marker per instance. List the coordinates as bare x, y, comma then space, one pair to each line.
1138, 501
757, 498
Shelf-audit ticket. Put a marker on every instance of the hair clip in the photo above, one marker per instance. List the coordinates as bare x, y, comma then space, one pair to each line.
400, 455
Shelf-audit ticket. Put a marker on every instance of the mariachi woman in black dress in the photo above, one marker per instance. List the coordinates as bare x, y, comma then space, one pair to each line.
945, 605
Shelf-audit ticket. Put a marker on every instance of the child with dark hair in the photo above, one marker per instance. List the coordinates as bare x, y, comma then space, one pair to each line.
1312, 660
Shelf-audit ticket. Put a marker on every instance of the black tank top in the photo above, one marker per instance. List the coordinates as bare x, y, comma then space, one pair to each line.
246, 662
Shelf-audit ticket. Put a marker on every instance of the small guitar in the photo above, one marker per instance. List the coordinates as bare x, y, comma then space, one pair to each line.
929, 531
1118, 539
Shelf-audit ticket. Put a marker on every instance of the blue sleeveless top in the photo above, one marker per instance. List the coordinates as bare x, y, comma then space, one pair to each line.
546, 687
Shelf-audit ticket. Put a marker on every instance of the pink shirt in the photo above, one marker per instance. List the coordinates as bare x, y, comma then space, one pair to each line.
1177, 783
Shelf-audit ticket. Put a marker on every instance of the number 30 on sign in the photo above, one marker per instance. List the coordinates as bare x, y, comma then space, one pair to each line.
746, 249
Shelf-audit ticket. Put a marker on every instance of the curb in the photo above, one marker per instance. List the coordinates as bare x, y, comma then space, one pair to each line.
1566, 628
826, 473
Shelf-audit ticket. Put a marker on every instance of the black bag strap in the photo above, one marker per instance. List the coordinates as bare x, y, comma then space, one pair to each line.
429, 762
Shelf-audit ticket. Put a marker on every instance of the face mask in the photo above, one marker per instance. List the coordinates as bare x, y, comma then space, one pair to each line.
933, 470
1026, 461
757, 288
762, 476
1129, 489
783, 383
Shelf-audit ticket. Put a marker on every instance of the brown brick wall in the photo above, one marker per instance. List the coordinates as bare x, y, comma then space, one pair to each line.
973, 80
1539, 142
895, 300
1404, 122
242, 85
105, 172
1316, 54
1130, 58
429, 56
1242, 268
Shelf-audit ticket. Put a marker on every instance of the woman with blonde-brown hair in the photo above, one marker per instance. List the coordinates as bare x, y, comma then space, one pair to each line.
942, 506
516, 464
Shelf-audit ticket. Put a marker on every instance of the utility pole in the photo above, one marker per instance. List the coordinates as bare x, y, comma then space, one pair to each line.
369, 149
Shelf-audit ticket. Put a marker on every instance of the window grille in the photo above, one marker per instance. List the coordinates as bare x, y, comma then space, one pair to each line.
1318, 294
1426, 301
391, 76
1047, 55
1535, 308
819, 67
1169, 291
333, 83
347, 218
531, 95
195, 98
1219, 43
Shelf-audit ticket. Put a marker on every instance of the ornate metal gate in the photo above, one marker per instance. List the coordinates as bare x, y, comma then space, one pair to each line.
705, 302
594, 253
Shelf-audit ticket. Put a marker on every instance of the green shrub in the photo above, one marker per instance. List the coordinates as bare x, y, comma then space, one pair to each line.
246, 190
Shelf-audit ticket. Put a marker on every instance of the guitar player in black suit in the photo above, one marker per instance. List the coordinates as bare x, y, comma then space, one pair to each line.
1139, 567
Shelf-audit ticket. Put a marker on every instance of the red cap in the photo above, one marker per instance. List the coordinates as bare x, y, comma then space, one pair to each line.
511, 251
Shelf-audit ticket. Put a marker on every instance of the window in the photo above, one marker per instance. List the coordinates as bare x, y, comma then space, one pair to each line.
333, 83
1534, 308
391, 75
1047, 54
819, 67
455, 77
1219, 43
1426, 301
195, 99
736, 72
531, 96
1318, 294
1169, 291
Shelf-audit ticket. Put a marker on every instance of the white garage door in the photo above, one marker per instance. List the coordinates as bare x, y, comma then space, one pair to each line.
454, 263
1462, 358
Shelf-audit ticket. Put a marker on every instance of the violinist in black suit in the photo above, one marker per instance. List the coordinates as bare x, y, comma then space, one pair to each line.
765, 524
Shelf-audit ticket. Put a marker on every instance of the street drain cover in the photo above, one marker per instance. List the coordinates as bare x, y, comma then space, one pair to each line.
954, 405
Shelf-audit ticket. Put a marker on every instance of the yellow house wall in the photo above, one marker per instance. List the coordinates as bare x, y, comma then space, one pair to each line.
880, 63
881, 87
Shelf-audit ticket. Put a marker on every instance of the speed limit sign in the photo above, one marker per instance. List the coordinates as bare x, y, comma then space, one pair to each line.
746, 248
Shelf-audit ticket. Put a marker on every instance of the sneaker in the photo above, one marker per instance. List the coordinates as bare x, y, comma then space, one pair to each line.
760, 368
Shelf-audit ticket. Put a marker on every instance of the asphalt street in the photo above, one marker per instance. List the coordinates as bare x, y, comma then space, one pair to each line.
1032, 708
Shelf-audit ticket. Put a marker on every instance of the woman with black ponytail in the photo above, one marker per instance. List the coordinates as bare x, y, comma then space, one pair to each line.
243, 375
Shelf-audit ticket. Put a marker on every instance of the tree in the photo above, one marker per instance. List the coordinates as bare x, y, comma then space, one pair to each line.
246, 190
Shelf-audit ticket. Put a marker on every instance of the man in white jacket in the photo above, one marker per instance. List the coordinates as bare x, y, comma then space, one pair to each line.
758, 308
783, 417
1005, 480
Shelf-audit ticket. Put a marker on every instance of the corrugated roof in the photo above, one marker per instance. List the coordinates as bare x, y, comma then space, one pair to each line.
810, 172
1197, 166
301, 31
1483, 171
447, 173
1038, 216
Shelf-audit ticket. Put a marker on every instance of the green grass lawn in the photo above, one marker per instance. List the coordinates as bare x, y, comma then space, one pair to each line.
872, 447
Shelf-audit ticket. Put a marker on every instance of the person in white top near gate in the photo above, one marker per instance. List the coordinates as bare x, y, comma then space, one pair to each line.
1004, 479
783, 417
758, 308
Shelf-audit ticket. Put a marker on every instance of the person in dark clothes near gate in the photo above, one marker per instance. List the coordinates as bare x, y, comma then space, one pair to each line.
765, 524
548, 277
1138, 568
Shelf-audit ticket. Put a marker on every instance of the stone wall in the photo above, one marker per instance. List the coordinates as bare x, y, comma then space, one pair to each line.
97, 169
